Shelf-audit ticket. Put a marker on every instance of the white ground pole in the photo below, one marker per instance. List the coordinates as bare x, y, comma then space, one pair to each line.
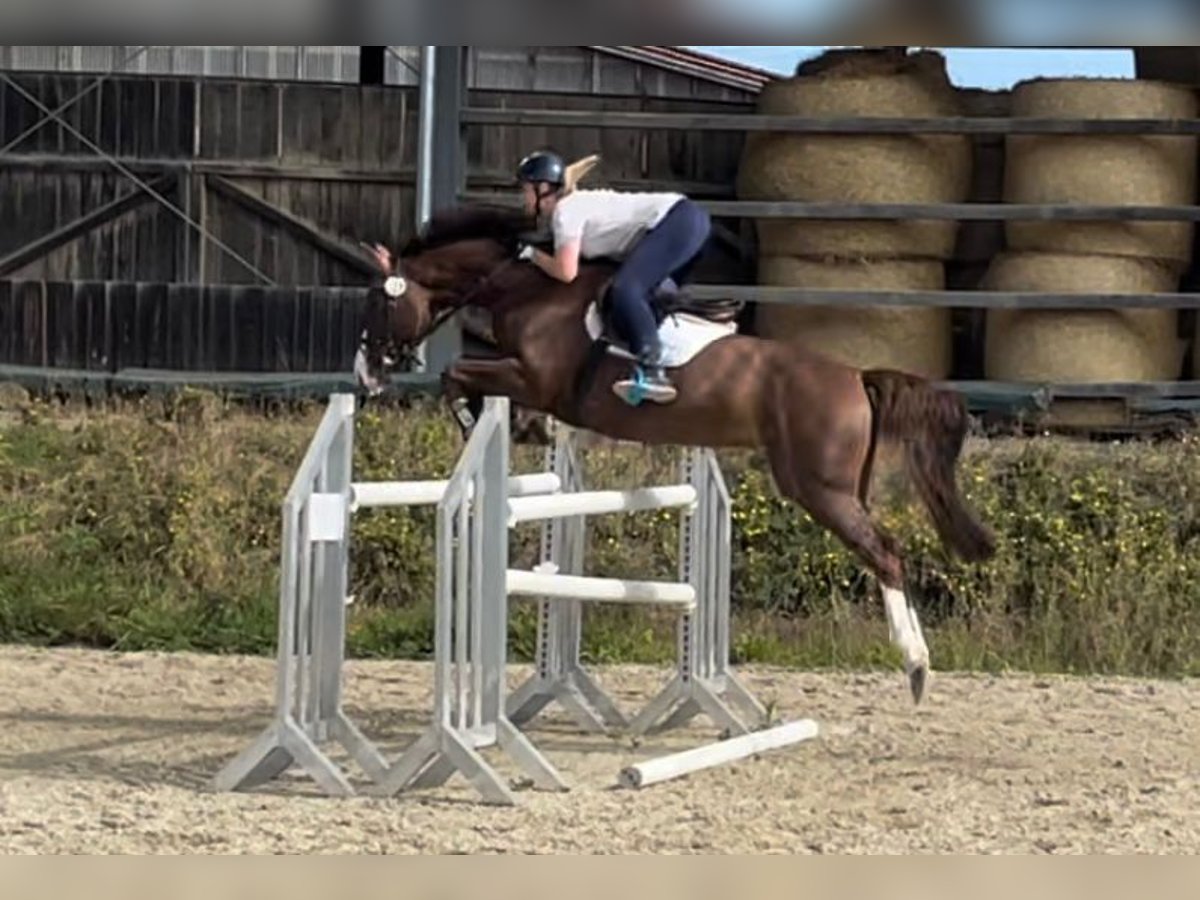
470, 649
312, 624
703, 682
664, 768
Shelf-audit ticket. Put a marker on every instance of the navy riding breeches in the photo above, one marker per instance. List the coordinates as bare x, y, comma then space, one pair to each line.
669, 250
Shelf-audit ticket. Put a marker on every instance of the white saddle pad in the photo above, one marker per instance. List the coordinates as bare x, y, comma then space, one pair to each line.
682, 336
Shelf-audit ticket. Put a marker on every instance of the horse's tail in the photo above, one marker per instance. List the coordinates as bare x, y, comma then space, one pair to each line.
931, 424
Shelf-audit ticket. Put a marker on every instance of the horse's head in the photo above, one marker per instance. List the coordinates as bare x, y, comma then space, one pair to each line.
441, 271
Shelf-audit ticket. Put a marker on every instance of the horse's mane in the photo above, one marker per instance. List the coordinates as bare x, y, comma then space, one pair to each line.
474, 222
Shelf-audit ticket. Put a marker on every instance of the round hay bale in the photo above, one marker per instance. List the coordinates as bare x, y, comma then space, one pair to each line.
1103, 169
859, 168
1069, 345
911, 339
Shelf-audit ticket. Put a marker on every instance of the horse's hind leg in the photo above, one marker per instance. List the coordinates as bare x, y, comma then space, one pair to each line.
840, 509
845, 516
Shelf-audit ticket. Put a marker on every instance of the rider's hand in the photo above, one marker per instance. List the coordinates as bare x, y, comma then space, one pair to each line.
383, 257
525, 252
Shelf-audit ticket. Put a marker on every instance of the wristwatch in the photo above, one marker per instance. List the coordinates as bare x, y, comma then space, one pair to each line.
395, 286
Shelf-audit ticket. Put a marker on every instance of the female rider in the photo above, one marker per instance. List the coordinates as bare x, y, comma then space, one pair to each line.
654, 236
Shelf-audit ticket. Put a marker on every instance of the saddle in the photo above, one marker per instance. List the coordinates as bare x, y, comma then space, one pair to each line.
669, 300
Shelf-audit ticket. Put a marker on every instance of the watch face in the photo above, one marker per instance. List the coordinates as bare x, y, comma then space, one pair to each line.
395, 286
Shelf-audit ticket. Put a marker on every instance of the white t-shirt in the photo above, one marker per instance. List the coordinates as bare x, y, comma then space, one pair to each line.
608, 222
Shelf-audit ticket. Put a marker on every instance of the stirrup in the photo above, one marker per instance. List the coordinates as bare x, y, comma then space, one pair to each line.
639, 391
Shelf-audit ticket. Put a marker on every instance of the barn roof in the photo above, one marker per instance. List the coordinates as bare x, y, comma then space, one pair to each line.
694, 64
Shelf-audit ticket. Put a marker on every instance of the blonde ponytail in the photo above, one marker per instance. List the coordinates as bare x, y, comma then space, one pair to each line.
577, 171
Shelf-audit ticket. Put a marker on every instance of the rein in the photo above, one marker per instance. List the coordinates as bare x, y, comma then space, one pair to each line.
463, 300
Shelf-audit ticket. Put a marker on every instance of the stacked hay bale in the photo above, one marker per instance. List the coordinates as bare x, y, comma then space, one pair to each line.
860, 255
1120, 345
1081, 345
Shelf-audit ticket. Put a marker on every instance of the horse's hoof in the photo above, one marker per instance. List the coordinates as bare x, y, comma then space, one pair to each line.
917, 679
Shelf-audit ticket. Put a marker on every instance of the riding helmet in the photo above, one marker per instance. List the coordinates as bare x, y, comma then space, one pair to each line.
543, 166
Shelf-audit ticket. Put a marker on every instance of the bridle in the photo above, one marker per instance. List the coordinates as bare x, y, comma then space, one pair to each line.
393, 353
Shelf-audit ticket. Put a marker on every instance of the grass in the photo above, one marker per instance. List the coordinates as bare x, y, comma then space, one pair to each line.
155, 525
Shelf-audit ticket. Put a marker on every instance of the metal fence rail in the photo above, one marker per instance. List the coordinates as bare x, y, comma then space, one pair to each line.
983, 125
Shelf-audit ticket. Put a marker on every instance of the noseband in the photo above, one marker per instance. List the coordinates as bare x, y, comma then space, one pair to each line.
444, 314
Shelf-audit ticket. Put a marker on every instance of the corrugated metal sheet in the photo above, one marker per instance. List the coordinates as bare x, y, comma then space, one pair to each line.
618, 71
313, 63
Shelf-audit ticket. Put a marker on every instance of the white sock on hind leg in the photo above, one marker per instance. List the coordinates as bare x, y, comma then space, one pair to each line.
903, 626
896, 605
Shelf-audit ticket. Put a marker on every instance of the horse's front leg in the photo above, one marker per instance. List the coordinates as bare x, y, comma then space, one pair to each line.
468, 381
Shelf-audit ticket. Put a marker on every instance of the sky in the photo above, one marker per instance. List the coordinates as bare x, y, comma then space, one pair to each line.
976, 67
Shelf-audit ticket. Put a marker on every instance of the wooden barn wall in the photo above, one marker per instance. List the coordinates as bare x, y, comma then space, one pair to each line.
341, 158
109, 327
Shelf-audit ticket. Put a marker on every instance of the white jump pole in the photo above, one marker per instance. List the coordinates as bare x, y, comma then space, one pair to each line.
589, 503
602, 590
374, 494
676, 765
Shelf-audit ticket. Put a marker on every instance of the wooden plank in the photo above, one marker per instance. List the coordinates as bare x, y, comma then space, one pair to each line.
32, 342
136, 128
9, 319
39, 247
108, 117
62, 326
286, 260
95, 325
326, 243
121, 299
72, 260
186, 346
51, 91
965, 299
562, 118
277, 346
220, 332
96, 246
149, 345
370, 127
351, 308
302, 331
325, 356
258, 122
248, 320
168, 111
239, 231
221, 136
124, 230
982, 212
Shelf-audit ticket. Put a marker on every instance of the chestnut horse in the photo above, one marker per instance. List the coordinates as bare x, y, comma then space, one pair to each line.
817, 421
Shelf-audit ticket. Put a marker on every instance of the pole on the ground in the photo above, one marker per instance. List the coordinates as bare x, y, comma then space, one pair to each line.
676, 765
